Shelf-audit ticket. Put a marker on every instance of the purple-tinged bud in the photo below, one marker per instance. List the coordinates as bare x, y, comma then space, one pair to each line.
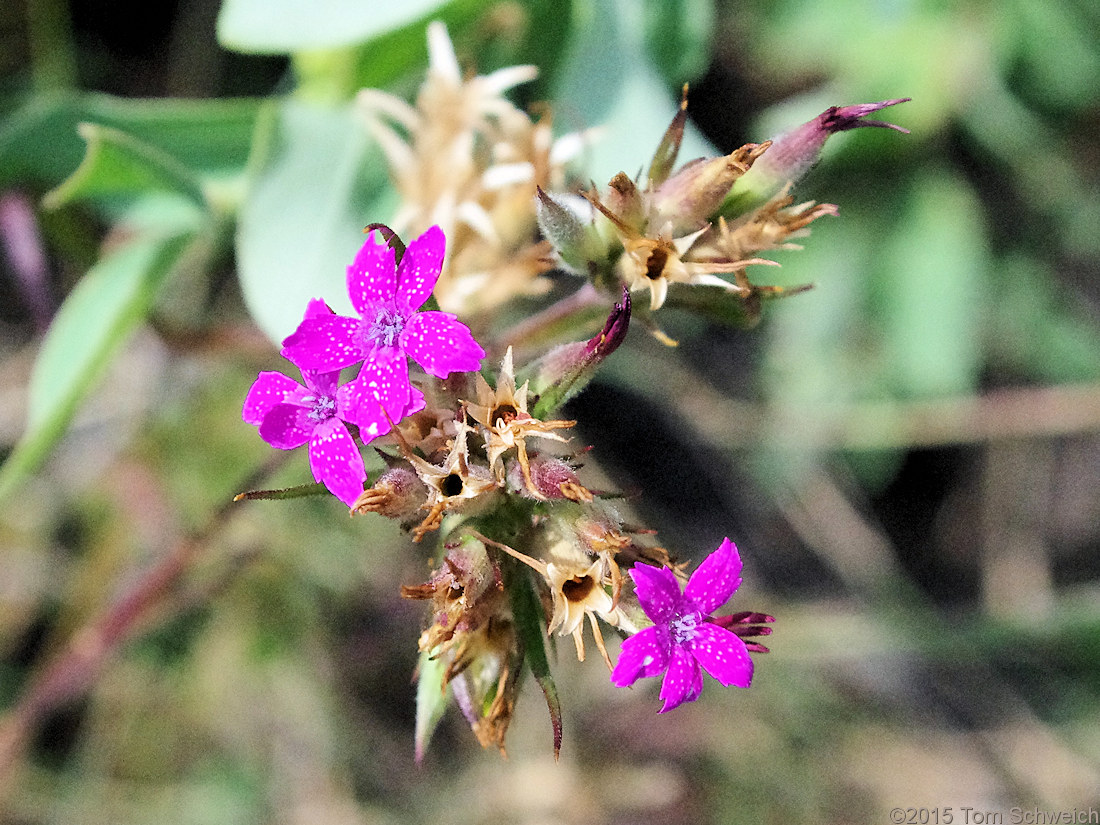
613, 332
399, 493
688, 200
791, 155
552, 478
565, 370
746, 625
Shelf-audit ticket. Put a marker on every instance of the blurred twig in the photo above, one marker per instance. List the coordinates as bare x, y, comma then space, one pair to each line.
820, 511
75, 669
999, 414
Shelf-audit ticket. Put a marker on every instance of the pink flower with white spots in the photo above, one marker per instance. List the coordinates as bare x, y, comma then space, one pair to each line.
684, 636
290, 415
387, 296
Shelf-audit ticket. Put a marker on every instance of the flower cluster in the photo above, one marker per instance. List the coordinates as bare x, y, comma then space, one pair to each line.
388, 331
478, 459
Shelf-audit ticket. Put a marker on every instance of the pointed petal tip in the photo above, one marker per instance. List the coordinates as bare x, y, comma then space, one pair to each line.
843, 118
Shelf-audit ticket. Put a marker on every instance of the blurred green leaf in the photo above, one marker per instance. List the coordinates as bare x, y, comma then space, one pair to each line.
117, 164
1037, 329
284, 26
678, 35
39, 142
97, 317
933, 285
1056, 52
302, 221
607, 81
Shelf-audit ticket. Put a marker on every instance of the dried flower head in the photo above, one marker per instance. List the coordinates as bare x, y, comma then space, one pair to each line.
506, 424
452, 485
468, 159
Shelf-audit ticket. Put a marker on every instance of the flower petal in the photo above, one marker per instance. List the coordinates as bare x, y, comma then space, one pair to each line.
383, 384
657, 590
419, 270
335, 460
441, 344
644, 654
287, 426
715, 580
325, 343
317, 308
683, 682
372, 278
722, 654
321, 383
268, 390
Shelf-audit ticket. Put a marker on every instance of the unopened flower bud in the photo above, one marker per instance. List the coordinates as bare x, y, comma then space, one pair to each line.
397, 494
747, 625
566, 221
551, 477
690, 198
791, 155
565, 370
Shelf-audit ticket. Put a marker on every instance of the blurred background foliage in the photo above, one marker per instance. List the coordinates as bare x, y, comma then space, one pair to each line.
908, 455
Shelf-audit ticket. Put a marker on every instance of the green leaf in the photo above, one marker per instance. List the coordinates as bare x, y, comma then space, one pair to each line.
530, 628
933, 281
283, 494
1039, 329
284, 26
117, 164
607, 81
302, 220
678, 35
39, 142
97, 317
432, 700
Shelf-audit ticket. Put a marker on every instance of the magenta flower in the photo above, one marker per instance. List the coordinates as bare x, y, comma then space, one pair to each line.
290, 415
389, 330
683, 635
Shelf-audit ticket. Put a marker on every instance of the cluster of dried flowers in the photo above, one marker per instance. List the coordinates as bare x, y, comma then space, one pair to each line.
483, 462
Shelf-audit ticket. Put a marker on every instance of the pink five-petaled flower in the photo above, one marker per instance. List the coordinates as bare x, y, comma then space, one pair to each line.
389, 328
682, 637
289, 415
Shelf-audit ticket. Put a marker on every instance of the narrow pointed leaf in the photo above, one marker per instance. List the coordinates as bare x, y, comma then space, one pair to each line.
298, 491
668, 149
432, 700
97, 317
118, 165
531, 629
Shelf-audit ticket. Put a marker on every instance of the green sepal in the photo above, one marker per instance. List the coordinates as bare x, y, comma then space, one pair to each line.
732, 308
669, 147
